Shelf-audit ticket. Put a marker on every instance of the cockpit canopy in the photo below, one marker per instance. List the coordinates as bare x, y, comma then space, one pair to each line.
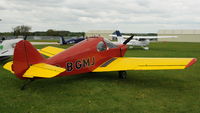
105, 45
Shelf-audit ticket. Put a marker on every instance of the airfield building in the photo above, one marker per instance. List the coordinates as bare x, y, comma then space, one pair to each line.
182, 35
103, 33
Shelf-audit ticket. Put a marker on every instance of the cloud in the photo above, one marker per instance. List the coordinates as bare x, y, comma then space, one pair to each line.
84, 15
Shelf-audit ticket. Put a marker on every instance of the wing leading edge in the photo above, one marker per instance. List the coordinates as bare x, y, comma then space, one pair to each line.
123, 63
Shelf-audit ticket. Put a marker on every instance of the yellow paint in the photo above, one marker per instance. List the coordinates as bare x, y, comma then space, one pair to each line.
8, 66
43, 70
50, 51
123, 63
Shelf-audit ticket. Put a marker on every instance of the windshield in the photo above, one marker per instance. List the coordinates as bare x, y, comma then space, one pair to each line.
109, 43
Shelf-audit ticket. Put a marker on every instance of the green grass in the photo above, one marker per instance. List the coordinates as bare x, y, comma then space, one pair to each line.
169, 91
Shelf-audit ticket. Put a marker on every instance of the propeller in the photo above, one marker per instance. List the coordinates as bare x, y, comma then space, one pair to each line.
25, 37
127, 40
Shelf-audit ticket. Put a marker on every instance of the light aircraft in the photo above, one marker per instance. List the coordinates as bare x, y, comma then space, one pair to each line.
72, 40
7, 47
141, 41
91, 55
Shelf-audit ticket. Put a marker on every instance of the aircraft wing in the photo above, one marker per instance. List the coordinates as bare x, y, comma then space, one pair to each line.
40, 70
124, 36
123, 63
50, 51
145, 37
153, 37
8, 52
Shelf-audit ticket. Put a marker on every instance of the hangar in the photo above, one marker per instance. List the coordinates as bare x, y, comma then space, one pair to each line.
182, 35
103, 33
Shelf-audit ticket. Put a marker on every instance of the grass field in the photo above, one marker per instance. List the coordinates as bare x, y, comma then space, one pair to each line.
170, 91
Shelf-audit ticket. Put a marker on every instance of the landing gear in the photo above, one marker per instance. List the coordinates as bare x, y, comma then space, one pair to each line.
122, 74
146, 48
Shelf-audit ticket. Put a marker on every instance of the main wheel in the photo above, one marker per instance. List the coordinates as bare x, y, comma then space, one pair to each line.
122, 74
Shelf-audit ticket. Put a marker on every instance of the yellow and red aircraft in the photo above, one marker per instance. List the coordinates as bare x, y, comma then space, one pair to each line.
91, 55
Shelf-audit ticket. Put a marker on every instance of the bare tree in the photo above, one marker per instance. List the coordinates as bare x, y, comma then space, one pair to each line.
21, 30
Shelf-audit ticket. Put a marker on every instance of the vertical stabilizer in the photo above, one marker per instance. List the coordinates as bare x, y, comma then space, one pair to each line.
120, 39
118, 33
62, 40
25, 55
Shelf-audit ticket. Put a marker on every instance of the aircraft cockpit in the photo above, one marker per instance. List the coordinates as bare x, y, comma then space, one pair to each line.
105, 45
109, 43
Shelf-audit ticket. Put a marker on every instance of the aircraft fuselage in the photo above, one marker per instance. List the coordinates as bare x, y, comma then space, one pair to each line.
85, 56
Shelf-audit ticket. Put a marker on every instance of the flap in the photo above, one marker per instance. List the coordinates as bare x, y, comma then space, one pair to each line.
123, 63
43, 70
50, 51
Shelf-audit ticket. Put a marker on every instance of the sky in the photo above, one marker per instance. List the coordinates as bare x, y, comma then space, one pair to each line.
140, 16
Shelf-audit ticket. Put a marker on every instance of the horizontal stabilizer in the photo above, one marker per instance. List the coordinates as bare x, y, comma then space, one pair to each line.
43, 70
122, 64
50, 51
8, 66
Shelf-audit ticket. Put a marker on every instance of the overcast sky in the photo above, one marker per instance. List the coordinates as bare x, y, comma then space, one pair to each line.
84, 15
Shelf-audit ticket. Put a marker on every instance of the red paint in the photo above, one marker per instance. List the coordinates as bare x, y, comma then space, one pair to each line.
24, 56
82, 57
191, 62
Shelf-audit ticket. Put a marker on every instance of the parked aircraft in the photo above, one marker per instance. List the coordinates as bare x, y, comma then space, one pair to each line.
90, 55
141, 41
72, 40
7, 47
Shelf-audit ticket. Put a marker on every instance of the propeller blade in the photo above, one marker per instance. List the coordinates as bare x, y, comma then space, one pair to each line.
25, 37
127, 40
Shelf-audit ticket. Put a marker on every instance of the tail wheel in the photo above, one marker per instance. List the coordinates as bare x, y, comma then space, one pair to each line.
122, 74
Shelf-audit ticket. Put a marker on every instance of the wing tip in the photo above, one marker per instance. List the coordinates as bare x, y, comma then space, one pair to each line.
194, 60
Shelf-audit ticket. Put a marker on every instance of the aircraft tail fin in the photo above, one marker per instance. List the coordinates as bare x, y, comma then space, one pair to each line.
25, 55
62, 40
118, 33
119, 37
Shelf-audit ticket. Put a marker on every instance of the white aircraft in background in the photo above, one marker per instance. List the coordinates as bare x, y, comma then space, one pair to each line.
141, 41
7, 47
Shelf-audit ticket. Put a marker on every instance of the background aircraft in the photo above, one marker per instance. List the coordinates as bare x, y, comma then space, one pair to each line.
98, 55
7, 48
72, 40
141, 41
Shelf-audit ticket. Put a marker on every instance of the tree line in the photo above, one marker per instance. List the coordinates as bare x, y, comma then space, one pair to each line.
24, 30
